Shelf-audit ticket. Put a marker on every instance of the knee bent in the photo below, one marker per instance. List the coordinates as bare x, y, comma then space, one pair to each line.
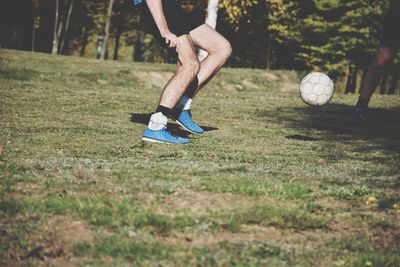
383, 59
193, 67
225, 50
382, 62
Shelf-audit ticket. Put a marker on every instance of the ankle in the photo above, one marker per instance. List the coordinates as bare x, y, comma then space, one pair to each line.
158, 121
164, 110
184, 103
362, 103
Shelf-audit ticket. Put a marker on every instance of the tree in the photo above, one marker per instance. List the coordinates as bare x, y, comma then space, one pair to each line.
56, 24
107, 30
62, 19
236, 9
352, 39
66, 27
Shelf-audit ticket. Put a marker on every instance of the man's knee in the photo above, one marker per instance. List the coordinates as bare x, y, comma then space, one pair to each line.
196, 67
383, 58
382, 61
193, 67
224, 50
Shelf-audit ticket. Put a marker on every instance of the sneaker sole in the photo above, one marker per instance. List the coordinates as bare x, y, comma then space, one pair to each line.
183, 126
146, 139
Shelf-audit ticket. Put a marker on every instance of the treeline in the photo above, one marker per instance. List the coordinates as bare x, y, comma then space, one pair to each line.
337, 37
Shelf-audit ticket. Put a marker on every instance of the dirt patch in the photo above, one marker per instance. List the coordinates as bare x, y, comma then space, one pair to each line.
249, 84
270, 76
231, 87
289, 85
198, 202
60, 233
50, 244
250, 233
270, 234
68, 230
153, 78
334, 204
26, 186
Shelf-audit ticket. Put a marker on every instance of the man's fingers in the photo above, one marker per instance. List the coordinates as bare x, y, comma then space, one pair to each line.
171, 40
177, 44
175, 41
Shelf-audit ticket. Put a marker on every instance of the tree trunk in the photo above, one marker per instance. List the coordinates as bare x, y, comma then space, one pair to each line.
354, 81
382, 89
351, 81
269, 52
55, 37
61, 23
139, 48
34, 32
364, 75
395, 79
71, 5
84, 42
211, 20
107, 30
117, 41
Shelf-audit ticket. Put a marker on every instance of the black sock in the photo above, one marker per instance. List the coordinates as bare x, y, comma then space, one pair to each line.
164, 110
362, 103
191, 90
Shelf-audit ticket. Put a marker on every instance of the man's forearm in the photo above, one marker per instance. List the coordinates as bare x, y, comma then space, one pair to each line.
156, 9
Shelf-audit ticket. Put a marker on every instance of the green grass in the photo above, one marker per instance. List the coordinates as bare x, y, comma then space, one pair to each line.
272, 182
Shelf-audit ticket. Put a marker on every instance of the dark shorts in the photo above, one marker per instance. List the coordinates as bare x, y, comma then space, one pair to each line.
179, 21
391, 26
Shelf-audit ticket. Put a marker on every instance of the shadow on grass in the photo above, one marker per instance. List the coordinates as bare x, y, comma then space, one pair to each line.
21, 74
333, 123
174, 128
332, 126
301, 137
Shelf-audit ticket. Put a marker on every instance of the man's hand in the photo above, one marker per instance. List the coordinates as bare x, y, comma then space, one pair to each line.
170, 39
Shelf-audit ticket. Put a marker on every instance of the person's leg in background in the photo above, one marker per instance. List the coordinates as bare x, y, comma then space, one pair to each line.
390, 41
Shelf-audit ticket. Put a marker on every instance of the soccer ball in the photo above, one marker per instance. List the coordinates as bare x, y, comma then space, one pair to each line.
316, 89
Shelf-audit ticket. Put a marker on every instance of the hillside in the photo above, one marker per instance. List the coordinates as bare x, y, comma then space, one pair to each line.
272, 182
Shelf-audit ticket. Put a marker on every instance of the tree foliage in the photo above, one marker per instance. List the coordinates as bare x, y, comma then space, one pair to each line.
329, 35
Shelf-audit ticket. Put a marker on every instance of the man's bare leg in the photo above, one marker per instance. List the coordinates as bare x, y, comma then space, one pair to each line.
187, 70
382, 59
219, 50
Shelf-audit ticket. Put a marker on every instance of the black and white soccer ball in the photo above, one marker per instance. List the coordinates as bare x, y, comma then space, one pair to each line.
316, 89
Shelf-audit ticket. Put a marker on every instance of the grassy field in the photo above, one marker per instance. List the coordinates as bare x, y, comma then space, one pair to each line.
272, 182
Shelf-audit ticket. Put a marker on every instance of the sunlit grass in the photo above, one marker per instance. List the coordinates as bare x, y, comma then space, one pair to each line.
271, 183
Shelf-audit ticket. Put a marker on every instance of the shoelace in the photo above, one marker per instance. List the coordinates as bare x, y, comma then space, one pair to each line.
171, 135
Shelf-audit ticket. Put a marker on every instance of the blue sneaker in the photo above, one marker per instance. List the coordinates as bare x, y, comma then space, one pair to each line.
359, 114
185, 120
162, 136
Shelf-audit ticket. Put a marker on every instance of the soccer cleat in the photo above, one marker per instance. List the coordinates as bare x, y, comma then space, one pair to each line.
185, 120
359, 114
162, 136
